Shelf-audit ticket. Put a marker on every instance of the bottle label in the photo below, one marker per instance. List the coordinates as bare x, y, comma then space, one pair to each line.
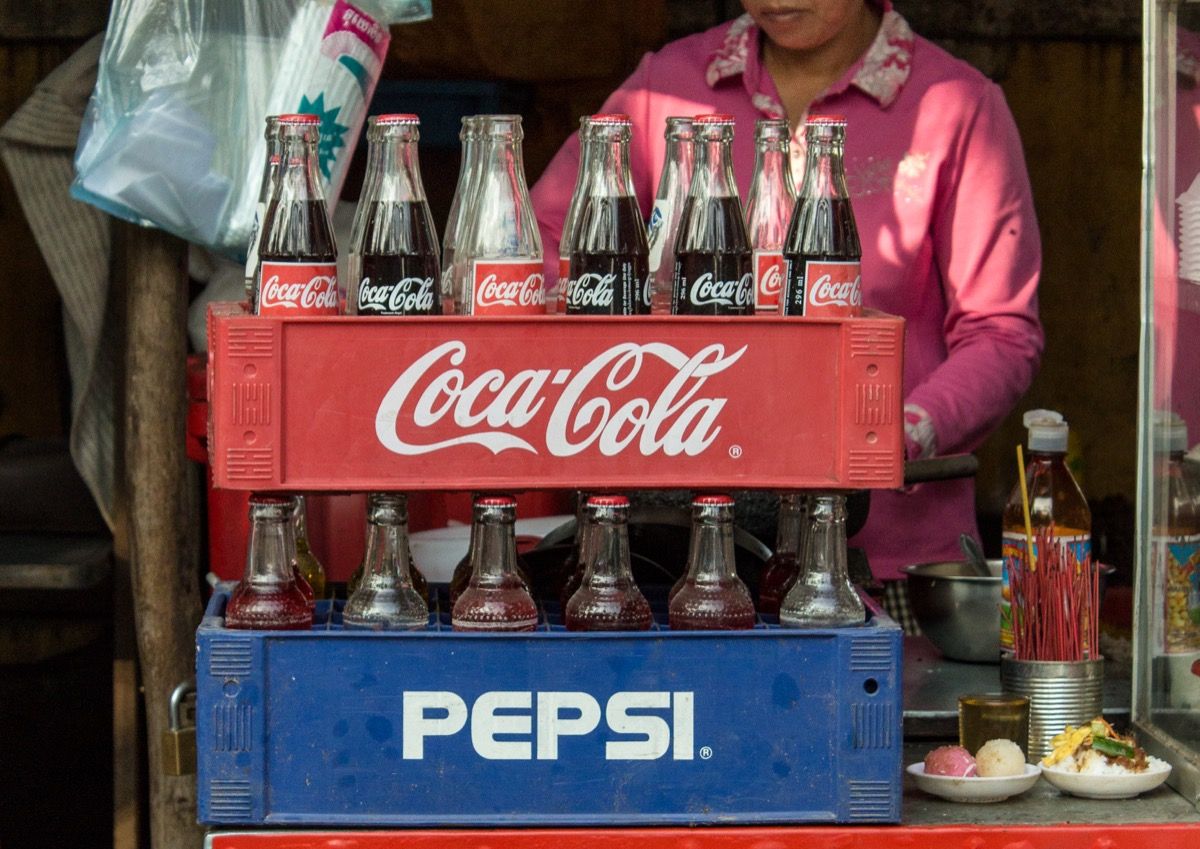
613, 290
656, 231
1175, 571
768, 280
407, 296
564, 282
508, 287
706, 293
823, 288
297, 288
1013, 550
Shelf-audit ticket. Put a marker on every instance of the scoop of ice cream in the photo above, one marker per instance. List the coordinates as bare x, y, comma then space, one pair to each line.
950, 760
1000, 757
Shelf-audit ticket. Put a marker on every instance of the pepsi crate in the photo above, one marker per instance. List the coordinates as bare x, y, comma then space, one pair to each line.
434, 728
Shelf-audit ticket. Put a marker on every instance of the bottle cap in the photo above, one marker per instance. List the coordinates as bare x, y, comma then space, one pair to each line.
611, 118
713, 119
608, 501
299, 119
396, 118
1047, 431
712, 501
1170, 432
495, 501
826, 120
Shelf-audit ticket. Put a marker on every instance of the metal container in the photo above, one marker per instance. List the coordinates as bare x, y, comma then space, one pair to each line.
1061, 693
957, 610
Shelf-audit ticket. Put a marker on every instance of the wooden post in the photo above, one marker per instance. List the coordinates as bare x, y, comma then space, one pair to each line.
166, 593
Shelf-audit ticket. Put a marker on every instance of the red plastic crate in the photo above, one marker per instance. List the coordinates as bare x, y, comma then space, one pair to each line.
351, 404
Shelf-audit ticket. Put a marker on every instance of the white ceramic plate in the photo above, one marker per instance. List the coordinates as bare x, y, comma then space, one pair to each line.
1091, 786
974, 789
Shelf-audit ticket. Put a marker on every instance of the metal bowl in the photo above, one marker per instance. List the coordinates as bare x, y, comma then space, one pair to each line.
957, 610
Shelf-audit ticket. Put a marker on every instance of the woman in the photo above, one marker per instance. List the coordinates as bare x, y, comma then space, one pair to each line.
941, 197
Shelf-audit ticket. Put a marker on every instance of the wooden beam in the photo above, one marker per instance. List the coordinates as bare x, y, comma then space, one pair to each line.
166, 590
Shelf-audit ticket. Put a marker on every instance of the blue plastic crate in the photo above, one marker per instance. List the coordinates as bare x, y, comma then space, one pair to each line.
433, 728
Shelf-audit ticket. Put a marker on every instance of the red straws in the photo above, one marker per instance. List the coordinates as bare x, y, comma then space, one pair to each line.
1056, 604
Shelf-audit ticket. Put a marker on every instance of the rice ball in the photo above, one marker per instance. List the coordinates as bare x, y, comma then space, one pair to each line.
950, 760
997, 758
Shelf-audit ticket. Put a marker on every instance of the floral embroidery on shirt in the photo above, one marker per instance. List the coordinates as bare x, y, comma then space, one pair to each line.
730, 58
911, 183
869, 176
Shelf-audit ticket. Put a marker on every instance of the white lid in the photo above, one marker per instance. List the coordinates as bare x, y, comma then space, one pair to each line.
1170, 432
1047, 430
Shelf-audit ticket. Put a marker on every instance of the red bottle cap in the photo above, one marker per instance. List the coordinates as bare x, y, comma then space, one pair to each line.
611, 118
396, 118
713, 119
607, 501
826, 119
712, 501
495, 501
299, 119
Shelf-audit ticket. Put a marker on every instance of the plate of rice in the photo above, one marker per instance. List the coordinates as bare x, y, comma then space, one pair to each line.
1095, 762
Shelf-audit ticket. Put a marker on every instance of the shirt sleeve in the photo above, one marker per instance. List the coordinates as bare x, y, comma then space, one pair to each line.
988, 253
551, 195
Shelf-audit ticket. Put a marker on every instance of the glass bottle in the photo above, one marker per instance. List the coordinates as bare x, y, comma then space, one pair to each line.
500, 252
393, 264
1056, 504
297, 268
783, 567
822, 255
496, 598
419, 582
712, 253
564, 243
268, 597
609, 271
663, 227
309, 566
573, 565
462, 570
607, 599
822, 595
712, 596
386, 598
270, 170
1175, 539
468, 172
769, 211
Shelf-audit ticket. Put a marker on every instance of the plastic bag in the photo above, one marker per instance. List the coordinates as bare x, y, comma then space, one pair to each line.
173, 135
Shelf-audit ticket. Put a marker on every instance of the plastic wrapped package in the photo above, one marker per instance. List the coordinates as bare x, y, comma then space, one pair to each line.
173, 135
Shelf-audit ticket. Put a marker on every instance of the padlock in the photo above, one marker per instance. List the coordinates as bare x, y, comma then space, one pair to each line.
178, 741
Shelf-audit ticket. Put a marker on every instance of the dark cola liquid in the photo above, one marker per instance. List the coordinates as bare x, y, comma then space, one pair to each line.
610, 264
397, 269
822, 230
713, 269
298, 231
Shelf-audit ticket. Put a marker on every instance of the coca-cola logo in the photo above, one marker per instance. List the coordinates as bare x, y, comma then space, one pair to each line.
407, 296
494, 292
771, 282
618, 400
826, 292
319, 292
707, 291
591, 290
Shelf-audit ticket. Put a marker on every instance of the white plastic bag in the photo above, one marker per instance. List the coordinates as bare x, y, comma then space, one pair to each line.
173, 135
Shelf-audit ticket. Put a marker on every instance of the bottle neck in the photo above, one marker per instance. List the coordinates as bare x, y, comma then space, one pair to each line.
710, 556
298, 176
387, 540
495, 555
606, 557
607, 172
462, 192
714, 169
792, 515
824, 171
271, 554
678, 167
826, 546
393, 173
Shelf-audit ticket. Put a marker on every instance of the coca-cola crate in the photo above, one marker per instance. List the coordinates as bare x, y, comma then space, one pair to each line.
437, 728
512, 403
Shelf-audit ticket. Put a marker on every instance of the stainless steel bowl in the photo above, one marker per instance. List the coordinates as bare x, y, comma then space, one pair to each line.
958, 611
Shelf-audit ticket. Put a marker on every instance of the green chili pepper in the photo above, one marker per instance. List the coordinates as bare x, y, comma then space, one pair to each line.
1112, 748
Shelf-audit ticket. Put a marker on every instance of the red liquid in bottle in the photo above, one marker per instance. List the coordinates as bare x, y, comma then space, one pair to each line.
712, 597
607, 598
778, 576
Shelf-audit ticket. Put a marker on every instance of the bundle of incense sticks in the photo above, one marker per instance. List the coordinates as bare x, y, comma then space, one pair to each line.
1055, 602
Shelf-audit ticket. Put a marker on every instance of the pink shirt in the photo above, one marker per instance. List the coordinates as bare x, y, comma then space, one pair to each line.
950, 241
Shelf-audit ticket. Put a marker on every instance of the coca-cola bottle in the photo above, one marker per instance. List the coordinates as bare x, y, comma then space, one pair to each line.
712, 596
822, 256
607, 599
782, 567
610, 272
558, 304
822, 595
462, 570
712, 253
297, 255
419, 582
572, 568
769, 211
270, 171
496, 598
309, 566
386, 598
268, 596
468, 171
663, 226
501, 250
394, 268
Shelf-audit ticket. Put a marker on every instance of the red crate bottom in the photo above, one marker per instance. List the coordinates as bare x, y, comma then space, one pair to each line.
1064, 836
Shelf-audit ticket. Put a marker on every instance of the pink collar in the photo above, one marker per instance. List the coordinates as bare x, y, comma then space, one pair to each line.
881, 72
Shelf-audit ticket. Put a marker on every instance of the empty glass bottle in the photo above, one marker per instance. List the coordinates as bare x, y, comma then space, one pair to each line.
496, 598
607, 599
420, 584
822, 596
712, 596
558, 303
769, 211
386, 598
783, 566
268, 596
663, 226
468, 172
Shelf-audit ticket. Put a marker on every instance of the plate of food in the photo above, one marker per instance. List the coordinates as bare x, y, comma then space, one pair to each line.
996, 772
1095, 762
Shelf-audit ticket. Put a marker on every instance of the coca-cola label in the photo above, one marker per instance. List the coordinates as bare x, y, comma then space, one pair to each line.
822, 287
768, 280
508, 287
564, 280
297, 288
631, 398
409, 296
607, 285
708, 293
